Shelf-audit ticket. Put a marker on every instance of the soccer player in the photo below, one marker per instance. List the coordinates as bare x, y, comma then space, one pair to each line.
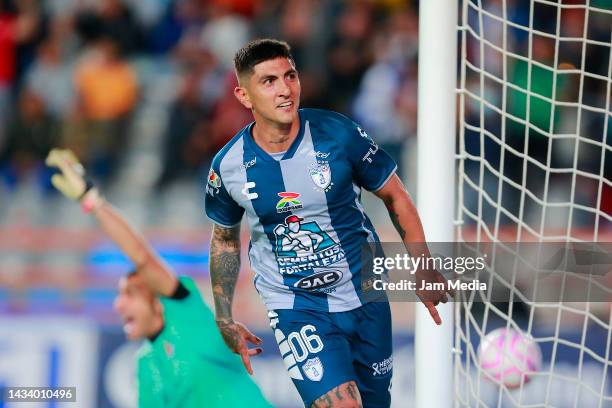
183, 361
298, 175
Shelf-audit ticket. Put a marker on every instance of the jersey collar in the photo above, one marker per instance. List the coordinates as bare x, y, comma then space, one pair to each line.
154, 337
250, 141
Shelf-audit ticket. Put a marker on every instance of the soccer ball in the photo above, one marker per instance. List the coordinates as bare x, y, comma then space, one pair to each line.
507, 356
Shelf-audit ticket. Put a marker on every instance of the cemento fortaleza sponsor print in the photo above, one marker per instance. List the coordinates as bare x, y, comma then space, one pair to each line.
302, 245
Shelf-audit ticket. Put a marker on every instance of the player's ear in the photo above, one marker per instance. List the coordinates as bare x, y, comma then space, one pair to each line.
243, 97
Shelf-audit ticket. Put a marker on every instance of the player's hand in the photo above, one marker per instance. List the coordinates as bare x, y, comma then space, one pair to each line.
71, 182
279, 230
236, 336
431, 298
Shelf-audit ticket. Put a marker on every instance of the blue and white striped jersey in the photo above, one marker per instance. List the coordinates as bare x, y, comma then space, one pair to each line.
304, 211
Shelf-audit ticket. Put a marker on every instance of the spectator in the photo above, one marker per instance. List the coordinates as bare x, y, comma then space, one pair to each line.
107, 91
51, 78
8, 44
346, 56
32, 132
380, 105
17, 28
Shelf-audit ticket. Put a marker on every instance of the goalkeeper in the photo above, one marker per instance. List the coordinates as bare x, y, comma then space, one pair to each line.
183, 361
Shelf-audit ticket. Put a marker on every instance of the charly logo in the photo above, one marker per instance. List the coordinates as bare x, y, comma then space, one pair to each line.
250, 195
319, 280
313, 368
288, 202
320, 173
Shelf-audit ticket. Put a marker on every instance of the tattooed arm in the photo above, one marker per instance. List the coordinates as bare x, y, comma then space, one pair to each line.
404, 215
408, 224
343, 396
224, 268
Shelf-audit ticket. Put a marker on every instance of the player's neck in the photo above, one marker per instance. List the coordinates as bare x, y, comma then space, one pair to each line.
157, 326
273, 137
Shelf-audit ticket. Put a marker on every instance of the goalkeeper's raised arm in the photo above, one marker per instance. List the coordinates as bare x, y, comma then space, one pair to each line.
72, 182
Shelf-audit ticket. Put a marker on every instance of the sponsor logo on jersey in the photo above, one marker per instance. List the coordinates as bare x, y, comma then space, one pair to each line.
247, 165
320, 173
213, 183
319, 155
319, 280
383, 367
371, 152
250, 195
213, 179
373, 146
302, 245
362, 132
288, 202
313, 369
169, 349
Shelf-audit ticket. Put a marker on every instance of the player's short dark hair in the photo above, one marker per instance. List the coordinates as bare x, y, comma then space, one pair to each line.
258, 51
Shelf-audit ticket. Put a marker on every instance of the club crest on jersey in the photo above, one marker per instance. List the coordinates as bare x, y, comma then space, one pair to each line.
320, 173
313, 369
288, 202
214, 183
301, 246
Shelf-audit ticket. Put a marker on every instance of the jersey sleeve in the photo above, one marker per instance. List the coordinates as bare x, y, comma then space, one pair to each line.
372, 166
220, 206
188, 309
189, 305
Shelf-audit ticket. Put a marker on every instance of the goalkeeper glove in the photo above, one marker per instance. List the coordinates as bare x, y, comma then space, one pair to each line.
72, 181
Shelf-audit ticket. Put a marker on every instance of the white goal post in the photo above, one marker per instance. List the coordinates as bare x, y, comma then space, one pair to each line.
436, 187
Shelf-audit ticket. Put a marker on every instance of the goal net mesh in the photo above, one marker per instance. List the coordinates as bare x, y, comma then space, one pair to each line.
535, 165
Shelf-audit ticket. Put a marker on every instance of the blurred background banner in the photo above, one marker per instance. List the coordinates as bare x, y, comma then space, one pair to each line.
49, 352
142, 91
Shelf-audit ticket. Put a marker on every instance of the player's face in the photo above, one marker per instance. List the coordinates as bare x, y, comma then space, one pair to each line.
294, 226
272, 92
138, 308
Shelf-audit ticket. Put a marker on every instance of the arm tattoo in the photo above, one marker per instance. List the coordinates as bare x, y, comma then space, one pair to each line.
352, 390
224, 268
231, 336
338, 393
323, 402
395, 221
339, 397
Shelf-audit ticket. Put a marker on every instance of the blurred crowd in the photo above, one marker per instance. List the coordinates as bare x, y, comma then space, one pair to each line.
554, 119
142, 91
111, 79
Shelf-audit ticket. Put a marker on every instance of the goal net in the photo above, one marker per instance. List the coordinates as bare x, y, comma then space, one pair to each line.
535, 166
